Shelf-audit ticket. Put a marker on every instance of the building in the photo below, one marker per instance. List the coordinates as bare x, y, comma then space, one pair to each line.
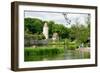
46, 30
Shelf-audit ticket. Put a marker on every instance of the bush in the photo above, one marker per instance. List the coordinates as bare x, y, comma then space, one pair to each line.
41, 36
34, 36
72, 45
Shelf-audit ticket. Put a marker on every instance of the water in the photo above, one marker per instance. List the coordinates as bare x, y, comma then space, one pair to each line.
74, 54
66, 55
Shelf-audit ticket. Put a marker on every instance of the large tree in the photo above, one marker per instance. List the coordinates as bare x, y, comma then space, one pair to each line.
33, 25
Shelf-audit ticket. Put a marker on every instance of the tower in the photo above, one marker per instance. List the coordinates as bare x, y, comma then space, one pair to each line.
45, 30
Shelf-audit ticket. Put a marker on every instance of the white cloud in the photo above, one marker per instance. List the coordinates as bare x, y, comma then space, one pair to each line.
56, 17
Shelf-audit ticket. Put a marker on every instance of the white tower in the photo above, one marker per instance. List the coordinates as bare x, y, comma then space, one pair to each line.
45, 30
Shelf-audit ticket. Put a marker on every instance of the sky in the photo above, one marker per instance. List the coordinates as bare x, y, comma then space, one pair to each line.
57, 17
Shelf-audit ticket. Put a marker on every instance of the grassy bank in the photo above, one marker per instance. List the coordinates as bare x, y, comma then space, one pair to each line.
52, 53
41, 53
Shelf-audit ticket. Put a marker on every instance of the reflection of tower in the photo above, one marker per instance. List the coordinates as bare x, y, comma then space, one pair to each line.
45, 30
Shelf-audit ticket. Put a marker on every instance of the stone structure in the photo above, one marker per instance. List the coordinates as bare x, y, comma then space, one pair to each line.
45, 30
55, 36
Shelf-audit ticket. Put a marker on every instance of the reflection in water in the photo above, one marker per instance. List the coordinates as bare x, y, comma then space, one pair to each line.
69, 54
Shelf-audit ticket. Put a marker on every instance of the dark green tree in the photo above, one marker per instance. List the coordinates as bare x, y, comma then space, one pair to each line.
33, 25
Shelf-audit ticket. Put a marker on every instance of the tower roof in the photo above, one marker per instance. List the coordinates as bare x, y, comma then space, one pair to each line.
45, 24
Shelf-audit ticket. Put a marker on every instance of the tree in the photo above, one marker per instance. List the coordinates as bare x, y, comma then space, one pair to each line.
81, 33
33, 25
78, 32
50, 25
61, 30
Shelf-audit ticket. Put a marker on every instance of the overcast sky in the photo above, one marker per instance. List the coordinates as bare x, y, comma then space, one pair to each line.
56, 17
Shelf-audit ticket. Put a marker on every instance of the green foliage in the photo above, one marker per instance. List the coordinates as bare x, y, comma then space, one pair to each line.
33, 25
34, 37
56, 43
61, 30
72, 45
78, 32
50, 25
69, 37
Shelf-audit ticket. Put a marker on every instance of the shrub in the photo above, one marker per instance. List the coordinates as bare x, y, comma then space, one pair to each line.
34, 36
41, 36
72, 45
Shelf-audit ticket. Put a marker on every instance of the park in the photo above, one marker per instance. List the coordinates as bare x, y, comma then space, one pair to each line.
48, 40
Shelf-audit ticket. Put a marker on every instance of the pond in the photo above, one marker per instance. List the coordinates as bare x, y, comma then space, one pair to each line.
54, 54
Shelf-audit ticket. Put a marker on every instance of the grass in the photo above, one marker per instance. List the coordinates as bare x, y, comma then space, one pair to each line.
52, 52
39, 53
